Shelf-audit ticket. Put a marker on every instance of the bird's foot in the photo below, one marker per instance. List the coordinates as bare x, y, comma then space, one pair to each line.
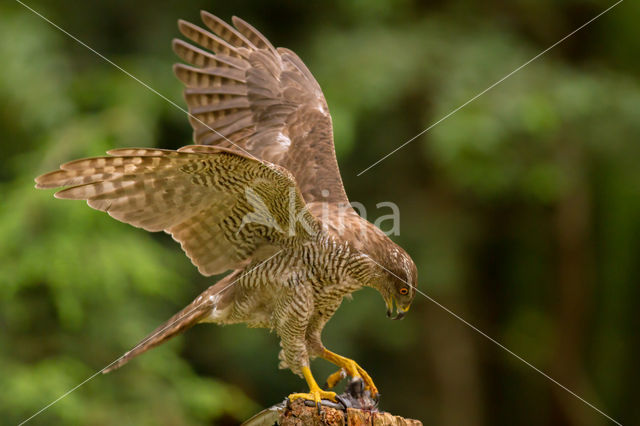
349, 368
315, 395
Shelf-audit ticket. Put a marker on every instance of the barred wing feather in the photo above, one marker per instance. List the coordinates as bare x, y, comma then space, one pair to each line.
201, 195
244, 93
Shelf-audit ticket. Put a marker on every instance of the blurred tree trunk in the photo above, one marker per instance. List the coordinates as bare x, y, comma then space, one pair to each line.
455, 368
453, 357
574, 272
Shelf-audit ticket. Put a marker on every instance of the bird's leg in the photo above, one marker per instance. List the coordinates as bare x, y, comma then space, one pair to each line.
348, 367
315, 393
292, 334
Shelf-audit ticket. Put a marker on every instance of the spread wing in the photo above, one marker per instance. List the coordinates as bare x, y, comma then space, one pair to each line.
244, 93
226, 209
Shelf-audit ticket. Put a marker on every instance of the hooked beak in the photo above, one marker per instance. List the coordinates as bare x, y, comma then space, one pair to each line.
400, 310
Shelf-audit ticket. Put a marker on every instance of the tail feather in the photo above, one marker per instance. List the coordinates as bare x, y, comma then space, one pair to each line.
178, 323
197, 311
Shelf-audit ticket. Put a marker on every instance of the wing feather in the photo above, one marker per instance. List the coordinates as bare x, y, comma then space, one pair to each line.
221, 105
207, 40
266, 103
204, 196
226, 31
202, 58
210, 77
252, 34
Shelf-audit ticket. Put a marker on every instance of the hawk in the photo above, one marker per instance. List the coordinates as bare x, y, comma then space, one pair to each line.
259, 194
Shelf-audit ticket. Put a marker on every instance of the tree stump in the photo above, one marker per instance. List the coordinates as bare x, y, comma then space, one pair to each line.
354, 408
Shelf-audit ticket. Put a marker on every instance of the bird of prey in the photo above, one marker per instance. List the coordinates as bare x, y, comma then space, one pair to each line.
259, 194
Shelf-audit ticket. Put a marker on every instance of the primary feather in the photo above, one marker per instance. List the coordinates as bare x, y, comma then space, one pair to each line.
261, 100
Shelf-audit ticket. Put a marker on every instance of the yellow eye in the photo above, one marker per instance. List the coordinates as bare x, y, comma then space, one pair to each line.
404, 291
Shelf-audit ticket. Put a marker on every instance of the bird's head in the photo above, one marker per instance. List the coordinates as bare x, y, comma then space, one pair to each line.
397, 282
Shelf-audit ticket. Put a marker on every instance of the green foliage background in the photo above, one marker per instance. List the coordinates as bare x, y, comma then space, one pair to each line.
521, 211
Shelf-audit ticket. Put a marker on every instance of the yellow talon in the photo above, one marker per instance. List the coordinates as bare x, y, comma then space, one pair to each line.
335, 378
348, 367
315, 394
